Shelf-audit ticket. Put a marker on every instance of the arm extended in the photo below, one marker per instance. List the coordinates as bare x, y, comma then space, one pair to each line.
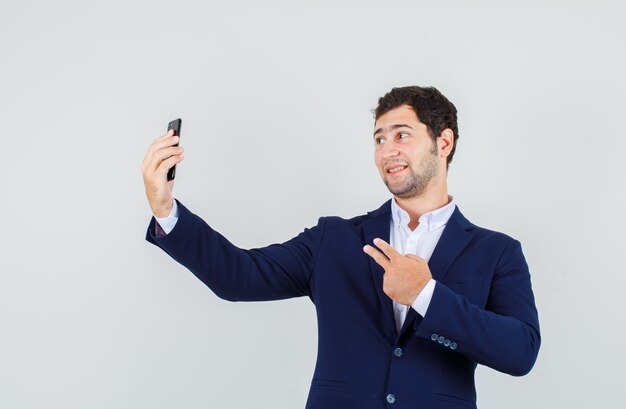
274, 272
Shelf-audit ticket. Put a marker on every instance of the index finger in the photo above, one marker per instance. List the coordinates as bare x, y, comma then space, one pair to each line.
386, 248
167, 135
378, 257
167, 140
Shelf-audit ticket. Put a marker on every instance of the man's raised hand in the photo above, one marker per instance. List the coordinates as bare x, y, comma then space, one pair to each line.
161, 156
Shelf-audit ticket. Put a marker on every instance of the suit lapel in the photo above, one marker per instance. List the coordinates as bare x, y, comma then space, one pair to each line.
453, 240
379, 226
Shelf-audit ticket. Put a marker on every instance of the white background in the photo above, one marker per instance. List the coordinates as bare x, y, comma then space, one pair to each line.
276, 99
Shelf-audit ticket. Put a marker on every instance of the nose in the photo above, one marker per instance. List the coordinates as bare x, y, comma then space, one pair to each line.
390, 150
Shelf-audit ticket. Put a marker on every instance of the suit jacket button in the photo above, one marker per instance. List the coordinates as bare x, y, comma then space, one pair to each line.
447, 342
434, 337
453, 345
397, 352
441, 339
391, 398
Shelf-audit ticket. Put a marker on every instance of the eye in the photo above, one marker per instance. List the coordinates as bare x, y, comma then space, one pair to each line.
379, 141
403, 135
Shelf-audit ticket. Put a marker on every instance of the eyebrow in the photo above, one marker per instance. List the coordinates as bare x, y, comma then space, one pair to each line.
391, 128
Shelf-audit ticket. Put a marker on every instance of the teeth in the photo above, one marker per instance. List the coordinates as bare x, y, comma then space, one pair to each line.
396, 169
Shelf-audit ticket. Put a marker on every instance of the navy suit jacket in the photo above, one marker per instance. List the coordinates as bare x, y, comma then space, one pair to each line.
482, 310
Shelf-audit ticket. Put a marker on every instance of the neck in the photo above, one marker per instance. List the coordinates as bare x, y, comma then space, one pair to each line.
435, 196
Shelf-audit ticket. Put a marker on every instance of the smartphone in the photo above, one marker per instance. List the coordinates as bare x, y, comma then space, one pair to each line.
175, 125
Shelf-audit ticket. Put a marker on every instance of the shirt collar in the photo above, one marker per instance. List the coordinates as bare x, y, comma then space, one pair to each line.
430, 221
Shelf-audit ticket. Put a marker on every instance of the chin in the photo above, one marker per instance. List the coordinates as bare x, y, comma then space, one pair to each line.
397, 190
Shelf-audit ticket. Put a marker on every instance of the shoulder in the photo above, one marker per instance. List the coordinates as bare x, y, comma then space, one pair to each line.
357, 222
480, 233
484, 243
338, 221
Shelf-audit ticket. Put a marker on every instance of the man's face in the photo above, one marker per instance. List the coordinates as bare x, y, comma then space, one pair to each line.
405, 154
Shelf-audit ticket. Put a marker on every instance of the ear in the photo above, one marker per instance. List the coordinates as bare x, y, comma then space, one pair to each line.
445, 142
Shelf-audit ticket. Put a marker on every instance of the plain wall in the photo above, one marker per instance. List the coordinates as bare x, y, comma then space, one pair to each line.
275, 98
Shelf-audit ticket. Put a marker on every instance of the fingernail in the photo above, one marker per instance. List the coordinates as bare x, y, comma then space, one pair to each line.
376, 240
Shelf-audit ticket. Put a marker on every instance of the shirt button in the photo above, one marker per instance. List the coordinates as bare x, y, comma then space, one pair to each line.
398, 352
391, 398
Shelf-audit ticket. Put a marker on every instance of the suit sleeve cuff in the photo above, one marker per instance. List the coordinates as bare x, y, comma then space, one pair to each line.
166, 224
423, 299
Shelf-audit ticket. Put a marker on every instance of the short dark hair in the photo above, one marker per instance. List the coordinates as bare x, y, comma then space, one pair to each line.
432, 108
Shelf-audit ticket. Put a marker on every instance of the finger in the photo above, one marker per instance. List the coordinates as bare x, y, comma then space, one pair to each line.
378, 257
414, 257
162, 154
165, 141
153, 160
168, 163
157, 145
166, 135
168, 139
389, 251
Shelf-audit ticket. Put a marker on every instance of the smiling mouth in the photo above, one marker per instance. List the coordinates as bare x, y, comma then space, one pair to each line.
396, 169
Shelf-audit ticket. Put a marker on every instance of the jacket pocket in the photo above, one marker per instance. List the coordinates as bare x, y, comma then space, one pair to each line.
464, 403
329, 383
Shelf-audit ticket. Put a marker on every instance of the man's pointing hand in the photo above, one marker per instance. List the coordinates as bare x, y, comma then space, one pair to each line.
405, 275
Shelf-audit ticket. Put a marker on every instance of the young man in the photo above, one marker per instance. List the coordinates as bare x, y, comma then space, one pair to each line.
409, 297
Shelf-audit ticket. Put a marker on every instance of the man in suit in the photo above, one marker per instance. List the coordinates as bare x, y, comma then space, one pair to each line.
409, 297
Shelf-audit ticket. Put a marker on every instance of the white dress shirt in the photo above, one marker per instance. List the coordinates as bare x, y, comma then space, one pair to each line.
420, 242
167, 223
